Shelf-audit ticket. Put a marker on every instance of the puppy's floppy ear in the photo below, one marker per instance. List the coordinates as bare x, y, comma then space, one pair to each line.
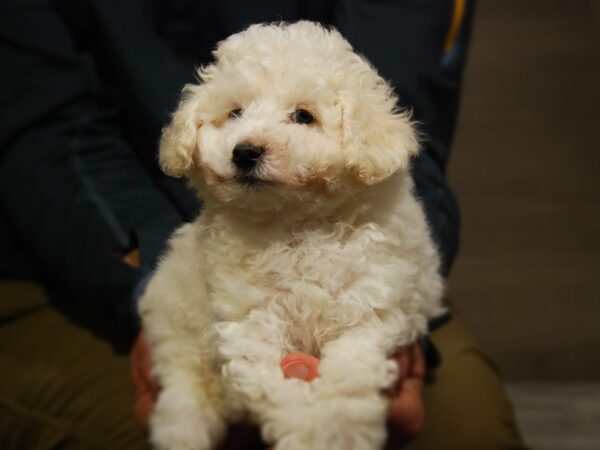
377, 138
179, 139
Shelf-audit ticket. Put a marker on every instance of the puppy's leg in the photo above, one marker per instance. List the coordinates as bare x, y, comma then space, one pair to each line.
358, 362
348, 410
185, 416
190, 412
251, 351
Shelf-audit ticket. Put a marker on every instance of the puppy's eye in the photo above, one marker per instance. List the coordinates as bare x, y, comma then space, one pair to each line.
235, 113
302, 116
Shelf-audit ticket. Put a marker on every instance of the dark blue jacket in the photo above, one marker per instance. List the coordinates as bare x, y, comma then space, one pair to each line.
87, 85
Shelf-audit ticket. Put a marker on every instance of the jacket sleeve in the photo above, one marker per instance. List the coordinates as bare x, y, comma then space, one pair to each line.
72, 190
420, 46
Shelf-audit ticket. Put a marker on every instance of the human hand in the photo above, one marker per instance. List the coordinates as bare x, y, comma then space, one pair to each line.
407, 410
146, 388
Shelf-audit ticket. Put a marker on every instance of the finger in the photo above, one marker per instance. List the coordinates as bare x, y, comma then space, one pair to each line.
410, 389
402, 360
407, 411
137, 374
146, 389
417, 367
411, 364
143, 407
141, 366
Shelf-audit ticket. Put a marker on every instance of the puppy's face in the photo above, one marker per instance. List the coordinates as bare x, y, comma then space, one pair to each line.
272, 138
287, 114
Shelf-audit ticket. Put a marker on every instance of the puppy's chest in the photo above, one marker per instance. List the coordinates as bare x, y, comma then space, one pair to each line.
303, 279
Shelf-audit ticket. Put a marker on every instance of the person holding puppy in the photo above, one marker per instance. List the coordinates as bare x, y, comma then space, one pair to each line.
88, 211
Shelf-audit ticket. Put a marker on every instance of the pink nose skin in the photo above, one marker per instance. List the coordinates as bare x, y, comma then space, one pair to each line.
300, 365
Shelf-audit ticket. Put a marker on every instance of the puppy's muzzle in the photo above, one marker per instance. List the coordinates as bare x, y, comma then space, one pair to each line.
246, 156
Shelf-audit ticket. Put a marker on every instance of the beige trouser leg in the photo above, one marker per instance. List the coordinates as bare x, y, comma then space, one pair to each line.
467, 407
61, 387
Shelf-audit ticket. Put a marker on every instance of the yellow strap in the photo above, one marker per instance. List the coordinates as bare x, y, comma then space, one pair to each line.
457, 18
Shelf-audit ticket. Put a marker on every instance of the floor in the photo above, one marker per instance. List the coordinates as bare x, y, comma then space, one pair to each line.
558, 416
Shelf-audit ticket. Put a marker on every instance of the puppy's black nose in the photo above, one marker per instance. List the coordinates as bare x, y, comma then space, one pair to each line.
246, 156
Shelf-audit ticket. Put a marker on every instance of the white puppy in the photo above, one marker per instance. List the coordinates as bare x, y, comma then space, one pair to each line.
310, 240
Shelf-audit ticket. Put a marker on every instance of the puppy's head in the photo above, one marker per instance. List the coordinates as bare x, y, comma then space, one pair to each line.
286, 114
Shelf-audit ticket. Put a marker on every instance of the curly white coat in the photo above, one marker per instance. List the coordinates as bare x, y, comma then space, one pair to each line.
330, 254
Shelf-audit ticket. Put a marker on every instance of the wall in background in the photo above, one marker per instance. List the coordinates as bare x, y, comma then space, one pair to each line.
526, 169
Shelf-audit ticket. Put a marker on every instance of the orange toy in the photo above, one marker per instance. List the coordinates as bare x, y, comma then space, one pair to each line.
300, 365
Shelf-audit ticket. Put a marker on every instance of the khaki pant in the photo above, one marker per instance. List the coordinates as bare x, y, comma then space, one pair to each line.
61, 387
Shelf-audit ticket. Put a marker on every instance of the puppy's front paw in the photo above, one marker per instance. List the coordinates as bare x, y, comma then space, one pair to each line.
180, 422
351, 423
344, 374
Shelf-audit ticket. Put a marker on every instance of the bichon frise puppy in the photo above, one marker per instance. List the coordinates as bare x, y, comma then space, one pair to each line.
310, 240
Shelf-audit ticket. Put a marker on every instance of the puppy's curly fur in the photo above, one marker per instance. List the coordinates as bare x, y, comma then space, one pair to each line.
318, 246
